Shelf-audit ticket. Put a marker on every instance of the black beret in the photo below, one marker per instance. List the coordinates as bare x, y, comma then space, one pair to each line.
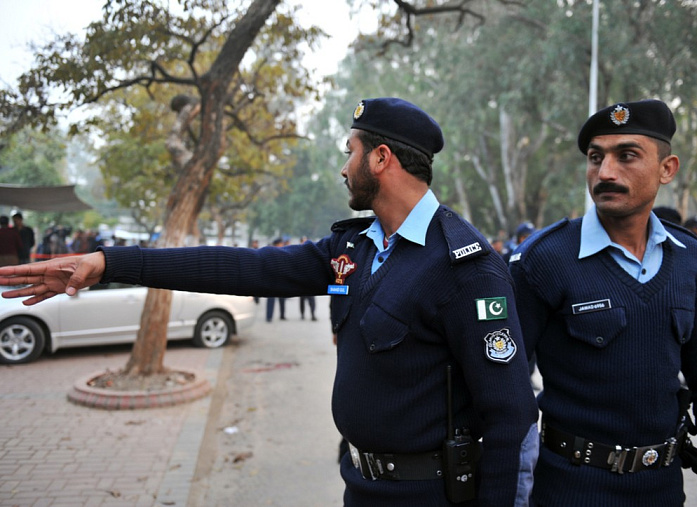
399, 120
647, 117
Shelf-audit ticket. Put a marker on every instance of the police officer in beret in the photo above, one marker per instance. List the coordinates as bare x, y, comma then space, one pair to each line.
430, 353
607, 302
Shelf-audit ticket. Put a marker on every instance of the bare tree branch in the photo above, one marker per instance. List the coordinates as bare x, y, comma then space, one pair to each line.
461, 8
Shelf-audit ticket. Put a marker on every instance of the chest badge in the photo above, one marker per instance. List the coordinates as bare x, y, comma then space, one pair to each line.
500, 347
343, 266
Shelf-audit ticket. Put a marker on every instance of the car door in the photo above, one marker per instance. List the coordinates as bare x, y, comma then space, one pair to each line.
101, 315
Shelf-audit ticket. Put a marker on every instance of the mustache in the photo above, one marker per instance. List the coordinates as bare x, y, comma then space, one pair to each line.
605, 186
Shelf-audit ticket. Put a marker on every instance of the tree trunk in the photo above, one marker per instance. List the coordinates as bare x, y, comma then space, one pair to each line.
196, 170
462, 196
149, 349
147, 356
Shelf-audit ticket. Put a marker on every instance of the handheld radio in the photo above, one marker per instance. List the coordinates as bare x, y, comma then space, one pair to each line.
460, 455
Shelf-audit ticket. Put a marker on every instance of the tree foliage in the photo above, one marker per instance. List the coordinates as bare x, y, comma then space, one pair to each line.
511, 95
231, 78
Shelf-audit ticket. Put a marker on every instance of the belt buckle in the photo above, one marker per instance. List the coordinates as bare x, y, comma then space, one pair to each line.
672, 446
355, 457
649, 457
645, 456
617, 458
365, 462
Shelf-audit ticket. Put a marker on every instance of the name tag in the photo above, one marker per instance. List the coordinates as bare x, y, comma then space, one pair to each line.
591, 306
337, 290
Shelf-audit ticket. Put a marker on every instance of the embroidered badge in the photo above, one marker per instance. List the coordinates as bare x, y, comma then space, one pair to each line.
343, 266
619, 115
591, 306
500, 348
467, 250
492, 308
358, 112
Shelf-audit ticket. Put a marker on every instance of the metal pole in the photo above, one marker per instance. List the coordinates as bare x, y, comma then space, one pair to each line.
593, 84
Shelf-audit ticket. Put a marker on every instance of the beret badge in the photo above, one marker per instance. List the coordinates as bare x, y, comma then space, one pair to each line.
358, 112
619, 115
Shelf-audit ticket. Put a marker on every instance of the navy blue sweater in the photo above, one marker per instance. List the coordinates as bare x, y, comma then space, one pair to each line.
610, 351
397, 330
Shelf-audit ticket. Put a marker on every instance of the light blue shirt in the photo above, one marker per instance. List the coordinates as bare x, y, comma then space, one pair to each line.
594, 238
412, 229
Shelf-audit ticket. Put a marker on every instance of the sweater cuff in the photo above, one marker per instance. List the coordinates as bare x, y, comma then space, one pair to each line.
122, 264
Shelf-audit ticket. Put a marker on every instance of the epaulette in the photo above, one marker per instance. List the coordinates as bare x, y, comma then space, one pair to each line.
464, 241
671, 225
535, 238
344, 225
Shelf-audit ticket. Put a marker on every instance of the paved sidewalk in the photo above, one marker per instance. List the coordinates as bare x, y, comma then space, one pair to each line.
271, 439
54, 453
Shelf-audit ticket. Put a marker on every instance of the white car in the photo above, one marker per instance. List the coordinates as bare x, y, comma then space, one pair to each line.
110, 314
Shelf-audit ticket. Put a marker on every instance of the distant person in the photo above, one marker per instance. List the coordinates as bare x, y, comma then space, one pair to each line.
522, 232
10, 243
497, 245
94, 241
691, 224
56, 242
43, 250
308, 301
668, 213
270, 301
80, 243
27, 236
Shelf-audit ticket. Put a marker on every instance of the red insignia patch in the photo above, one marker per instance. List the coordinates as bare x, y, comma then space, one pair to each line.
343, 266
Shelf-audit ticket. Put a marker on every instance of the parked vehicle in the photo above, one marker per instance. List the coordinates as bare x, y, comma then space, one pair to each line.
110, 314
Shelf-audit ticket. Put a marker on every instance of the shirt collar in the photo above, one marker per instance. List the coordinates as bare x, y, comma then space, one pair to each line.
595, 238
416, 224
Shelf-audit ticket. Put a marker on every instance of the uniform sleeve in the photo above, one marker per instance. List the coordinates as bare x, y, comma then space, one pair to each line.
533, 312
487, 341
689, 364
295, 270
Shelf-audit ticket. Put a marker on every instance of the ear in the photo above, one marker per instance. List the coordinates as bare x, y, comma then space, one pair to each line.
669, 168
383, 156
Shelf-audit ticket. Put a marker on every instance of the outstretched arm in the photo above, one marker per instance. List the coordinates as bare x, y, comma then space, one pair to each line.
44, 280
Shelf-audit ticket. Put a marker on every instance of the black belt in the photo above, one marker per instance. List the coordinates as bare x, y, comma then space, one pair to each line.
397, 467
580, 451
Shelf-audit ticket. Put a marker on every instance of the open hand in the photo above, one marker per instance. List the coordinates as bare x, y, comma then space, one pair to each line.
43, 280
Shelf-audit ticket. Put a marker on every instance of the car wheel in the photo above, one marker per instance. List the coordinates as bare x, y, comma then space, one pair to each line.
213, 330
21, 340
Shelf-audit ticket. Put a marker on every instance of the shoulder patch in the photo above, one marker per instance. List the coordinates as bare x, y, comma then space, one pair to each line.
464, 241
500, 347
360, 222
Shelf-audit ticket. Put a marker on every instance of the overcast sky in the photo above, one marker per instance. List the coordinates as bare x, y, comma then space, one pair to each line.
22, 21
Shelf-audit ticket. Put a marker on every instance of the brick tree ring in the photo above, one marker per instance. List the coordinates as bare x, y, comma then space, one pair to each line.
182, 386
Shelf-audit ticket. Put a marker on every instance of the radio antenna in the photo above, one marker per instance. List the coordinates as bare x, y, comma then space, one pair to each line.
451, 436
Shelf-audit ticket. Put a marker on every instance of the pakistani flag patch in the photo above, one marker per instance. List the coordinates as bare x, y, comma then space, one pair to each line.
492, 308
